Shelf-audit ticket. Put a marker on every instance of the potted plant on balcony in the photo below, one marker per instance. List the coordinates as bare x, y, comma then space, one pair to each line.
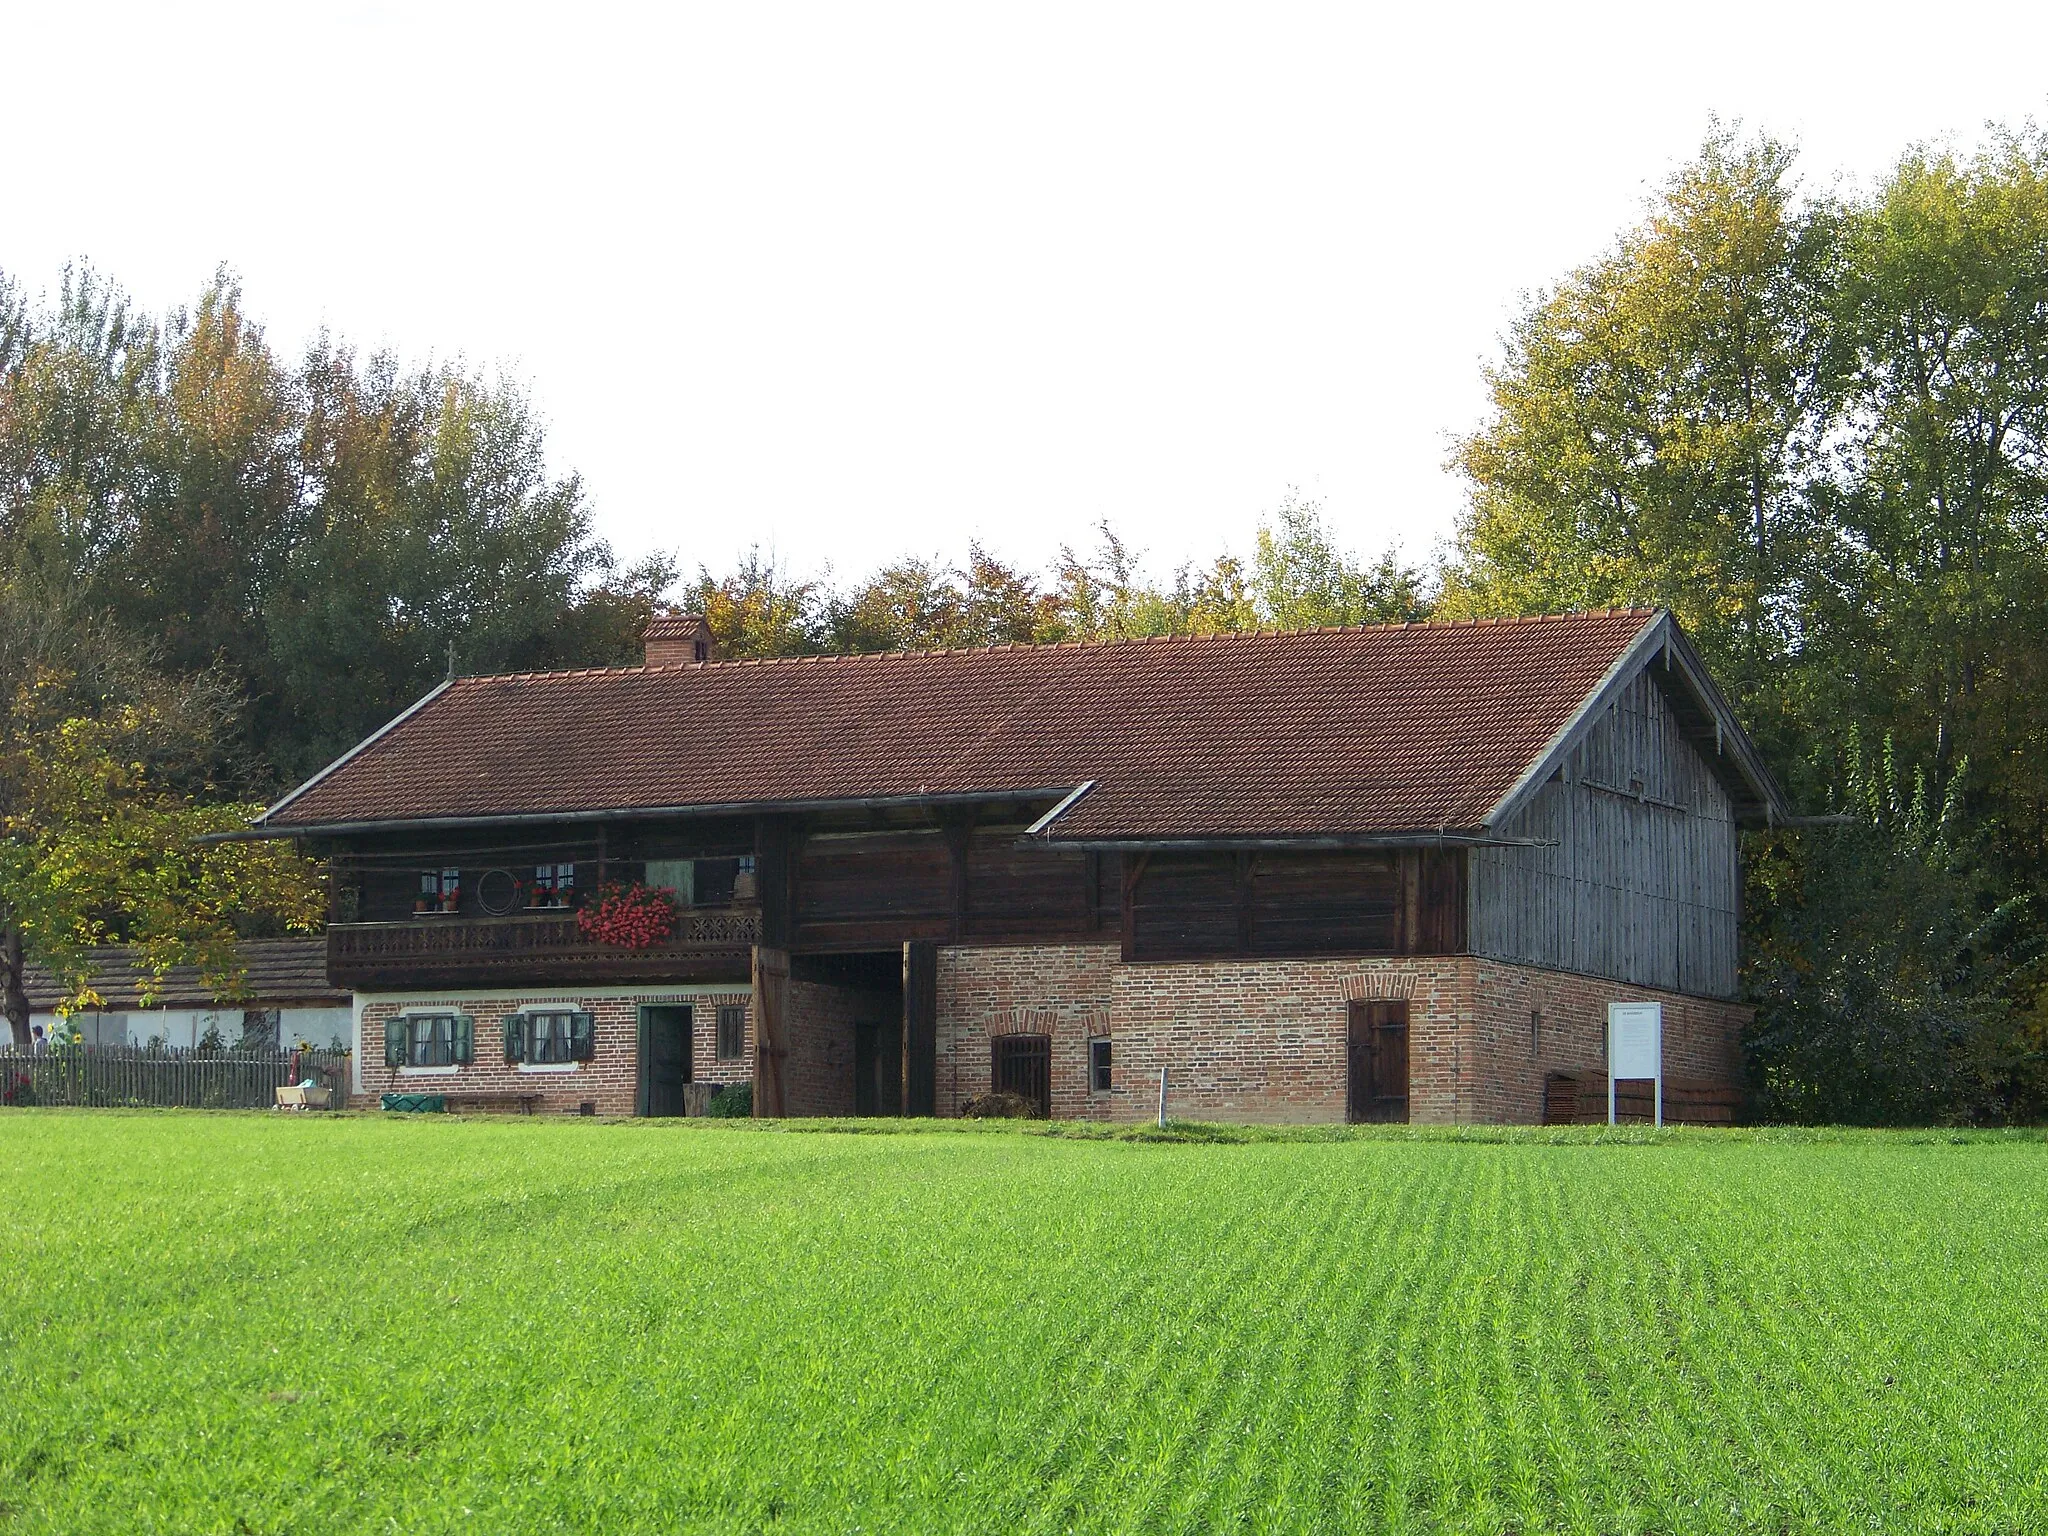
629, 916
451, 897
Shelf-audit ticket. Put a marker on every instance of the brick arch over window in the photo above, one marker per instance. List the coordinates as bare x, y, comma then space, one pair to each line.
1049, 1021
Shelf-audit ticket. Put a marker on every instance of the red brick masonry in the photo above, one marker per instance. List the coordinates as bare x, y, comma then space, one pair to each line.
1243, 1040
1265, 1040
610, 1080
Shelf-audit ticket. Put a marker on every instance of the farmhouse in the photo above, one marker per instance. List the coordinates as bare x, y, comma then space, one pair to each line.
1388, 873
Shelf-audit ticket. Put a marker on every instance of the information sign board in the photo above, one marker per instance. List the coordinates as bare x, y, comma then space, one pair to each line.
1635, 1049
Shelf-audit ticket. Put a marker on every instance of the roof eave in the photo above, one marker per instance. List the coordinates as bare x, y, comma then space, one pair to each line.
1064, 793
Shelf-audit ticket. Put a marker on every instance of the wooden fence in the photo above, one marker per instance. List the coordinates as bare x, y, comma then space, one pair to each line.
111, 1076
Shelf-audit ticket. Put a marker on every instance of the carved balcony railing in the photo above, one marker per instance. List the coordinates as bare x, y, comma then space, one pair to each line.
433, 950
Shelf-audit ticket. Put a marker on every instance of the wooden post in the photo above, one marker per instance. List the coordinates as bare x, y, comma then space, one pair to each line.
920, 1029
771, 1001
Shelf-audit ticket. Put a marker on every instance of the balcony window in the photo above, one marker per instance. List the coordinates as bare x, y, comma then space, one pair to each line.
678, 875
554, 885
715, 879
440, 891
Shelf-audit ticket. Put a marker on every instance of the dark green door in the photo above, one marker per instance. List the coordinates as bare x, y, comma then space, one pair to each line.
664, 1058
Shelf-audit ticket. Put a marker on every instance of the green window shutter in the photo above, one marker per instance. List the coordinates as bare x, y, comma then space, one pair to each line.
515, 1037
465, 1040
582, 1036
394, 1042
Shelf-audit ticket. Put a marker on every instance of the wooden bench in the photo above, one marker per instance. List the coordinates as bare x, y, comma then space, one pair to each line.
1580, 1098
493, 1103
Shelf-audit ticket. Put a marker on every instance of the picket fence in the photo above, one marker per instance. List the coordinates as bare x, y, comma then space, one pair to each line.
137, 1076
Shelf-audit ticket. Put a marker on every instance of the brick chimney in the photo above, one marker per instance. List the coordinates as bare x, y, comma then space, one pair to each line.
674, 638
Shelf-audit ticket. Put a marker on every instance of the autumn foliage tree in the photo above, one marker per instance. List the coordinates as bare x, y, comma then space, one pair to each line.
106, 811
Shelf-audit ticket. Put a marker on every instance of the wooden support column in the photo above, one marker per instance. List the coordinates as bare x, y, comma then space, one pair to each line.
920, 1029
771, 1021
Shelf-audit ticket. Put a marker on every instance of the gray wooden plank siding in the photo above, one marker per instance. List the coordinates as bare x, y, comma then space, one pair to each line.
1640, 878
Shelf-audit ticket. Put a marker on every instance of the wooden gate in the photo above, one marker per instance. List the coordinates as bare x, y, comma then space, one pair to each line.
1378, 1042
1023, 1066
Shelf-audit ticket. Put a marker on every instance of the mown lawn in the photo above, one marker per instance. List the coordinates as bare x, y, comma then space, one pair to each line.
248, 1323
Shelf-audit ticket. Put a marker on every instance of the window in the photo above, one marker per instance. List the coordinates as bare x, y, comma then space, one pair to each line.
429, 1040
550, 1036
715, 880
261, 1029
678, 875
1098, 1065
1023, 1066
732, 1031
701, 650
440, 890
554, 885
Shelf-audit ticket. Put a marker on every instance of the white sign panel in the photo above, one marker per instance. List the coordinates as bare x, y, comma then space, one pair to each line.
1635, 1048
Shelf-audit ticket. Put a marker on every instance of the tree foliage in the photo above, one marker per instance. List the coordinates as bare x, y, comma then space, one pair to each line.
323, 532
106, 795
1816, 428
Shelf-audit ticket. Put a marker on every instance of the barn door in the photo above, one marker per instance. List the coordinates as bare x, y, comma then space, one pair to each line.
1023, 1066
1379, 1063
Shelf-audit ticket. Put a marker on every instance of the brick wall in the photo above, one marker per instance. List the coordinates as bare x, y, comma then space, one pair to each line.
1057, 990
610, 1080
1266, 1040
818, 1035
1702, 1036
1244, 1040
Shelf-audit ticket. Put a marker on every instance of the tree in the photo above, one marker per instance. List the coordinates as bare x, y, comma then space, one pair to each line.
761, 610
1661, 421
1936, 576
100, 839
1302, 580
1879, 943
323, 532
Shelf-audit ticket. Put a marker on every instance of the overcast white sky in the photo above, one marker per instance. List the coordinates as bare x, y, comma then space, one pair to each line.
850, 280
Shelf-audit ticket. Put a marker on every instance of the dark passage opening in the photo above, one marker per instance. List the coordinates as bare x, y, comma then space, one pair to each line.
665, 1033
871, 988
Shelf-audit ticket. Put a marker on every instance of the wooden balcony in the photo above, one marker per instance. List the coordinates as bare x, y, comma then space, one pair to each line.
714, 945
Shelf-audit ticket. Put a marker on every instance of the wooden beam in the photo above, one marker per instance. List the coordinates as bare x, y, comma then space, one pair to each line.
920, 1029
771, 1013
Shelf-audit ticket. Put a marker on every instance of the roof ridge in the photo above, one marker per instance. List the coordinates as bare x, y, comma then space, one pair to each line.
842, 658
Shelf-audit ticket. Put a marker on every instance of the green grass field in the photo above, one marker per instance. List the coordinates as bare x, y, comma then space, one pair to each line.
247, 1323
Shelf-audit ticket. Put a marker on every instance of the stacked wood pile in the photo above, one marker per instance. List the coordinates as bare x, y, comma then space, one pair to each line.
1580, 1098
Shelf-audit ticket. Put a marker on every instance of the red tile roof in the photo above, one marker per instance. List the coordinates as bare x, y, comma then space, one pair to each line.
1375, 731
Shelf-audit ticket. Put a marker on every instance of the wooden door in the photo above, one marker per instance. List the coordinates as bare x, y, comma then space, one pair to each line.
878, 1066
1023, 1066
664, 1058
1378, 1048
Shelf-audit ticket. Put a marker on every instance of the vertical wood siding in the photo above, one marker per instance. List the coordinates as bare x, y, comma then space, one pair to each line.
1640, 881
